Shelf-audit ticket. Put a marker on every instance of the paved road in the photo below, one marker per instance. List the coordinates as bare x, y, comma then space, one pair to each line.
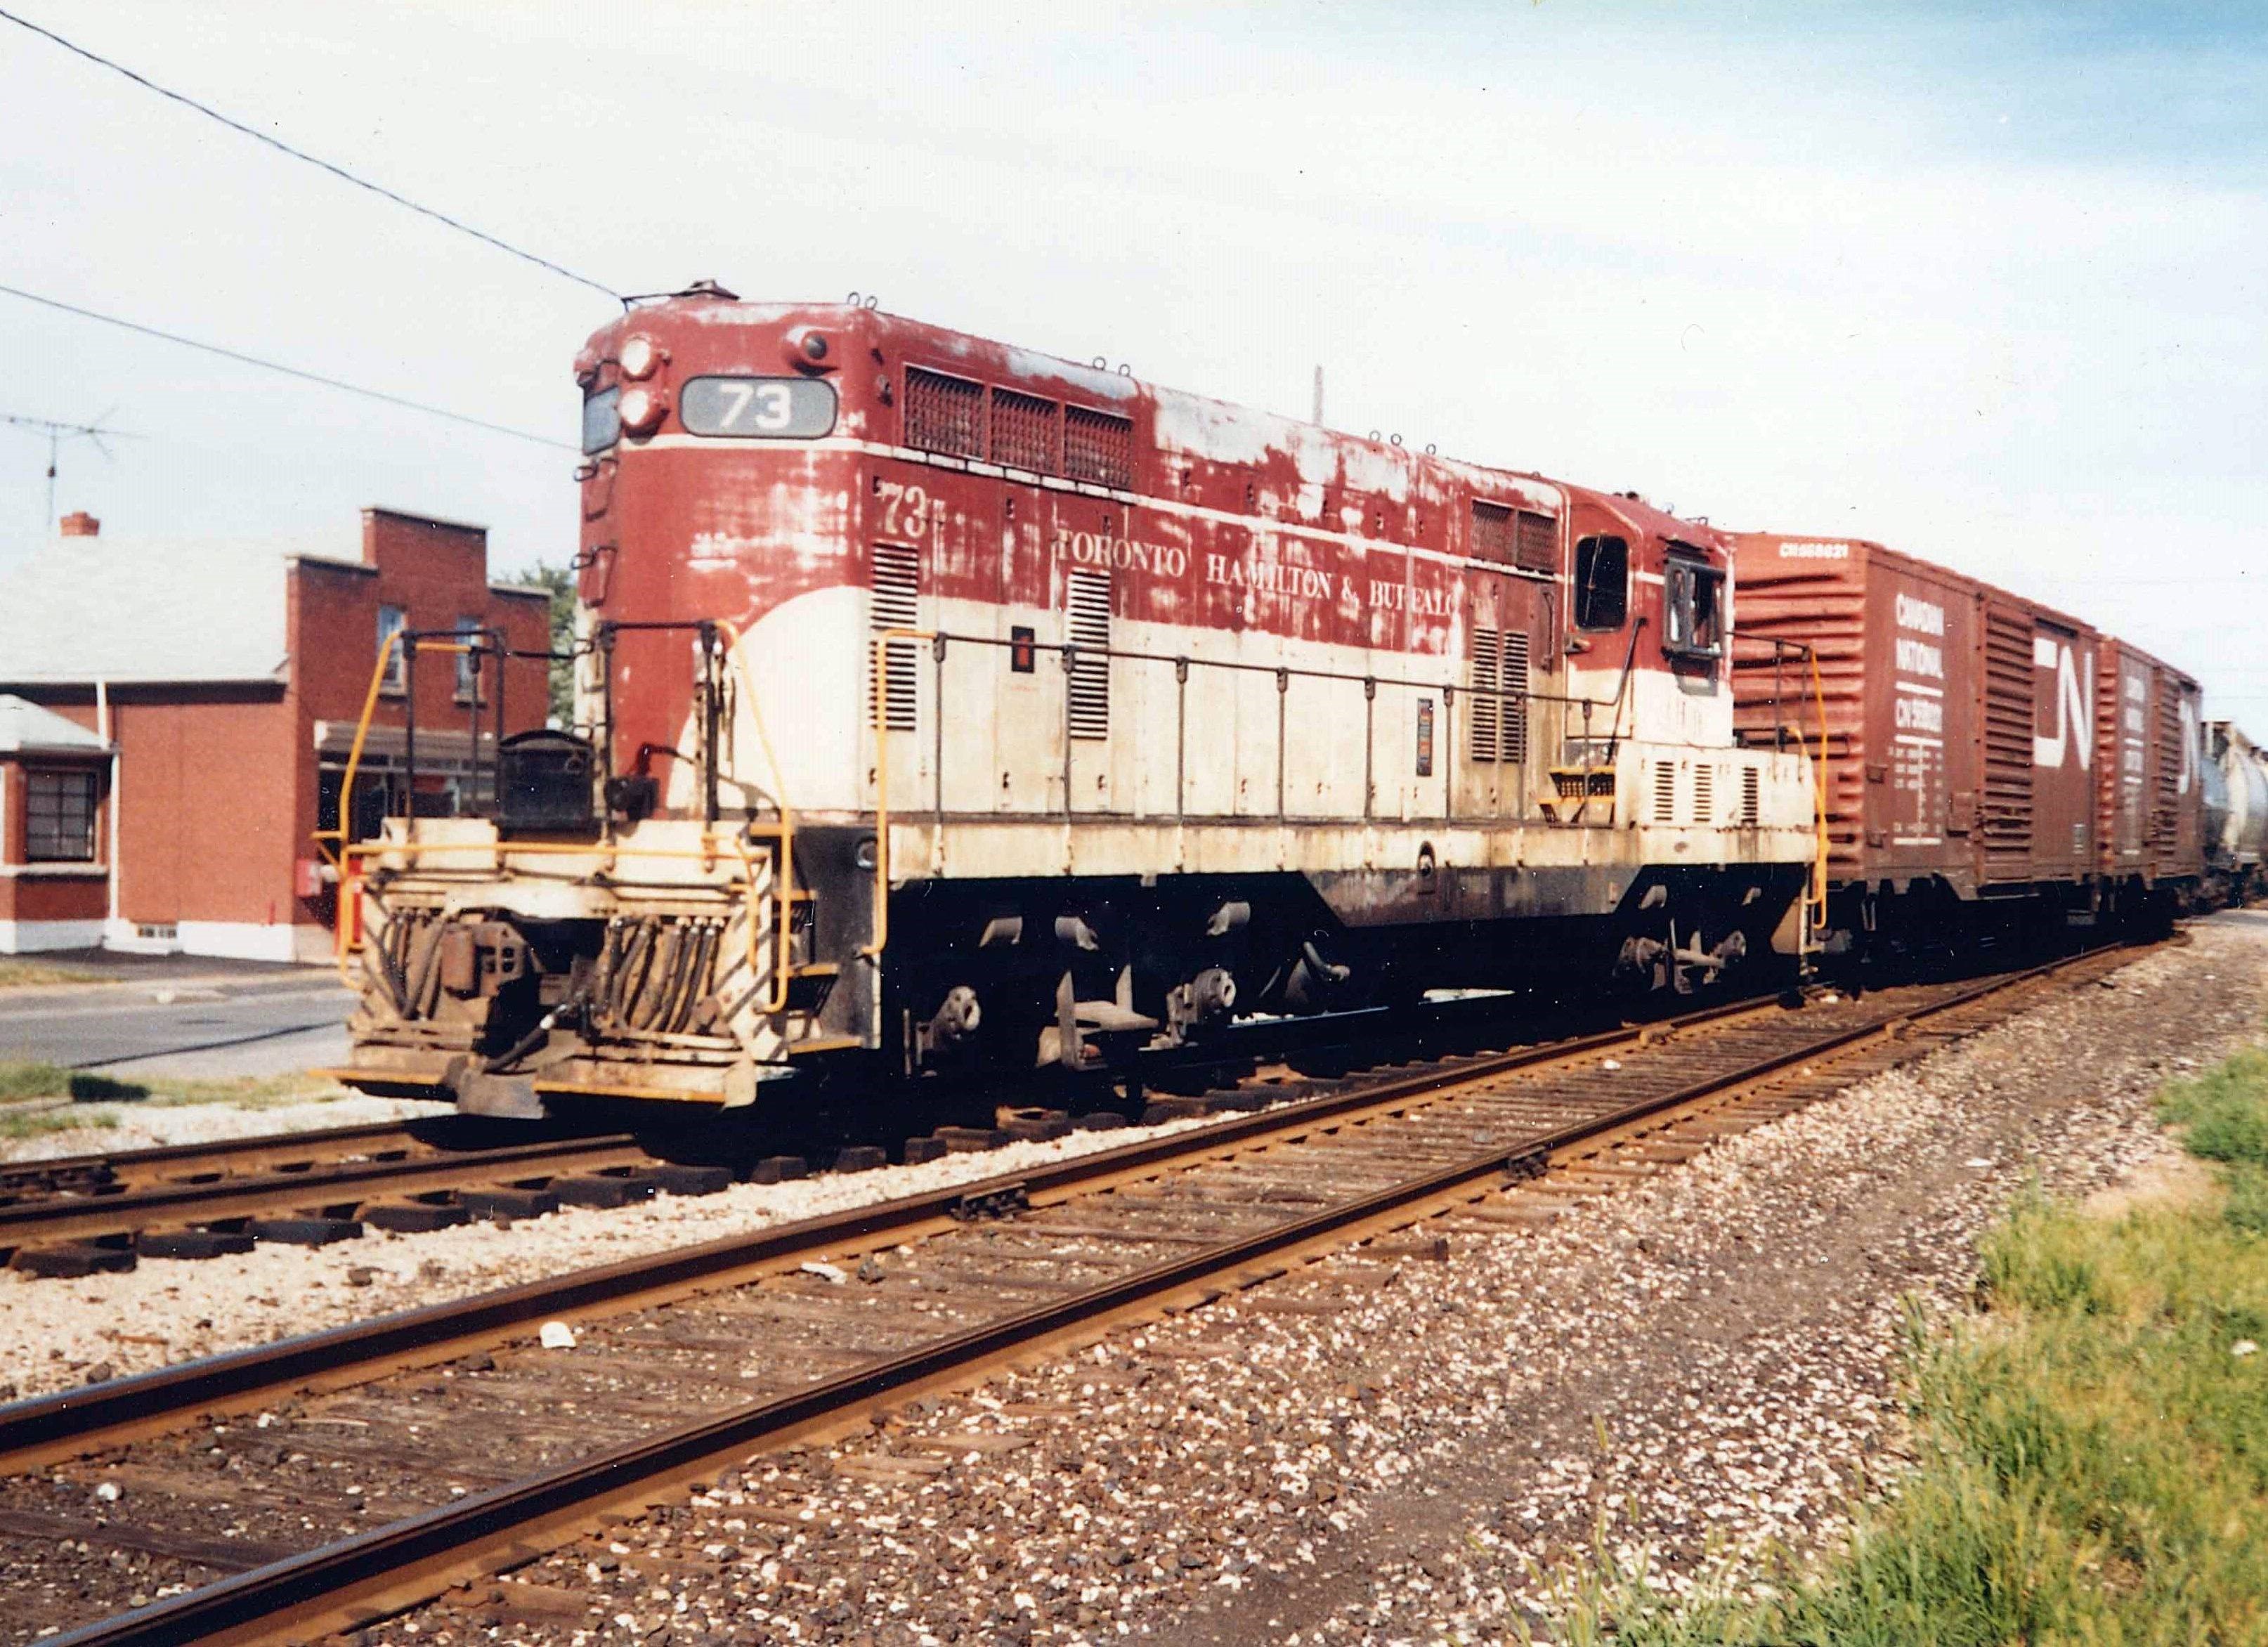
213, 1028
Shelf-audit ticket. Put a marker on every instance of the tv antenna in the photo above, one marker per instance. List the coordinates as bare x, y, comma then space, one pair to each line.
58, 435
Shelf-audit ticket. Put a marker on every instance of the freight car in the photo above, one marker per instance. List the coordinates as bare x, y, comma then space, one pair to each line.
1996, 773
941, 702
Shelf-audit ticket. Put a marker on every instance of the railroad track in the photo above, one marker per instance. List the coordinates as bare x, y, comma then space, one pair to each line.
396, 1459
82, 1214
79, 1214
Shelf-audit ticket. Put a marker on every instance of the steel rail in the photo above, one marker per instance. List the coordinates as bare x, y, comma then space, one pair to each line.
69, 1218
175, 1158
44, 1428
178, 1160
372, 1575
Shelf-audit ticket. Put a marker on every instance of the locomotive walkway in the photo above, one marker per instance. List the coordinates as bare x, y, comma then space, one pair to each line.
408, 1441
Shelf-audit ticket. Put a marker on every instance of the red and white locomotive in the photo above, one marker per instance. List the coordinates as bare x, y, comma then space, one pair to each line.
942, 702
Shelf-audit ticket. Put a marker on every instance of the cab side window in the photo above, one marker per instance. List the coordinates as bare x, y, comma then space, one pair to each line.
1602, 582
1693, 609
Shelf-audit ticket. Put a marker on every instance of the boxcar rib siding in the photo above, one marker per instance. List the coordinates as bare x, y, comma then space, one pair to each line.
2008, 719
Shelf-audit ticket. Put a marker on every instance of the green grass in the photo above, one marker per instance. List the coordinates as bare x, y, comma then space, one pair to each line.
21, 974
2090, 1453
20, 1081
31, 1123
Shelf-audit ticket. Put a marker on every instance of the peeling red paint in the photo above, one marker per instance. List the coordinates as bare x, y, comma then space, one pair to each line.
1231, 522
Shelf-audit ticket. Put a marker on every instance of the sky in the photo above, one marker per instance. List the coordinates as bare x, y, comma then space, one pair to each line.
1984, 283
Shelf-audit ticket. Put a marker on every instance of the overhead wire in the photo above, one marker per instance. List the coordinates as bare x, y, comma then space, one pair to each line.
281, 147
290, 371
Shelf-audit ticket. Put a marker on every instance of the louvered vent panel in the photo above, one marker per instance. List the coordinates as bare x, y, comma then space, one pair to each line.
1704, 796
1536, 547
896, 605
1492, 539
944, 414
1513, 680
2008, 710
1483, 718
2166, 813
1089, 602
1098, 447
1751, 795
1025, 431
1665, 791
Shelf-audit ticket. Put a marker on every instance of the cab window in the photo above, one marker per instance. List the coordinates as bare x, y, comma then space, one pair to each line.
1693, 609
1602, 582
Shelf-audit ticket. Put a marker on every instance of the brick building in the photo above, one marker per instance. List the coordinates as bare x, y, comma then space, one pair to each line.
214, 687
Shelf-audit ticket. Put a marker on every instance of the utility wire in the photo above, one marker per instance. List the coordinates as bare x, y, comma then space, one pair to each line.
300, 154
289, 371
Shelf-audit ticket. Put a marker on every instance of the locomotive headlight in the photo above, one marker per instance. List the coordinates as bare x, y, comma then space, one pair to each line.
641, 408
639, 357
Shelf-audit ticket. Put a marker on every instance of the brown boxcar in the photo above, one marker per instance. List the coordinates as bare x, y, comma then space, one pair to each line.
1962, 726
2148, 720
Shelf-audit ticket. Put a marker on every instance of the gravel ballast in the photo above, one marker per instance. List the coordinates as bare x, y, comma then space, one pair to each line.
1402, 1450
57, 1333
152, 1125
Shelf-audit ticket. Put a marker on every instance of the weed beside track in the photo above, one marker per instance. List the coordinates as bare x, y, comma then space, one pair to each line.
2089, 1453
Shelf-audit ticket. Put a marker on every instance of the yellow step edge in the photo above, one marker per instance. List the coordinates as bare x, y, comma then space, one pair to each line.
824, 1043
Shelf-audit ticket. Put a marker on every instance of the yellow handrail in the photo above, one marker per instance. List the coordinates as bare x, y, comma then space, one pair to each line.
345, 856
783, 869
882, 639
324, 838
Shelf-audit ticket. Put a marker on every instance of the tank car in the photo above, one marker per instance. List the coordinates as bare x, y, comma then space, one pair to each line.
945, 705
2236, 815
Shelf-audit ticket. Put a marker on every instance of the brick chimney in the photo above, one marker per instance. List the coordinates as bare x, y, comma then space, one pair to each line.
79, 524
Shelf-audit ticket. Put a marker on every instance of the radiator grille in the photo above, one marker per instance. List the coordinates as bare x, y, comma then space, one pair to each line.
1491, 532
1704, 796
1665, 791
1089, 686
1537, 549
1752, 795
1098, 447
944, 414
896, 605
1025, 431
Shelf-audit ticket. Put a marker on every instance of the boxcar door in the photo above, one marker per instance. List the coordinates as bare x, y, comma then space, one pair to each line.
2126, 753
2064, 751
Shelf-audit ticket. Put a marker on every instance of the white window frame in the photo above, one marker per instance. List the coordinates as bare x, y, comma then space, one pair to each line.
396, 681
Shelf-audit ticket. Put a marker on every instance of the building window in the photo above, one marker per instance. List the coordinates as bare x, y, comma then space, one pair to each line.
1602, 582
468, 661
59, 818
1693, 609
390, 623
